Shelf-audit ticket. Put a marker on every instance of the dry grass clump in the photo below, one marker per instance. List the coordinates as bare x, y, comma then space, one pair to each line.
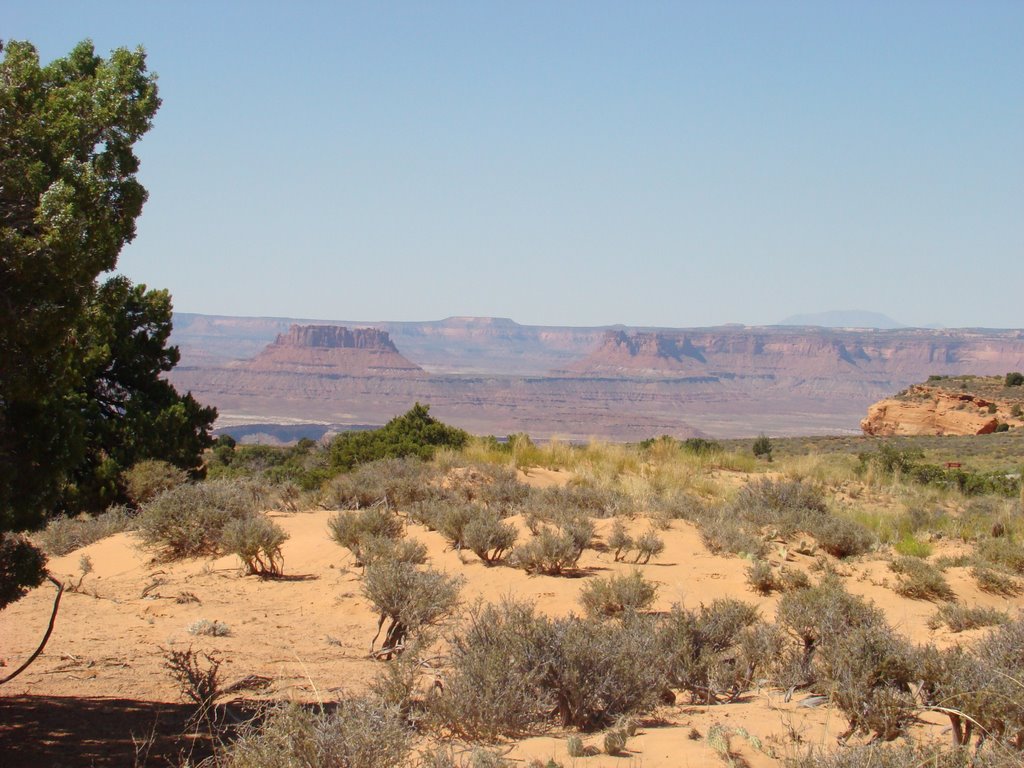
960, 618
66, 534
995, 582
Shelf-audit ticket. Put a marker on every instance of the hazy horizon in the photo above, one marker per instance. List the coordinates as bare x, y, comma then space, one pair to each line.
663, 165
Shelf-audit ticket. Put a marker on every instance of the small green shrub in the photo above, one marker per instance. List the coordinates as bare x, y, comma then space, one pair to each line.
612, 596
762, 447
257, 541
415, 433
911, 546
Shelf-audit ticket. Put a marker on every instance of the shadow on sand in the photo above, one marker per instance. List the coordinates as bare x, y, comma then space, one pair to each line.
68, 732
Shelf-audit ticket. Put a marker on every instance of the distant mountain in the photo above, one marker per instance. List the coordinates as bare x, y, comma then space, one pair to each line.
849, 318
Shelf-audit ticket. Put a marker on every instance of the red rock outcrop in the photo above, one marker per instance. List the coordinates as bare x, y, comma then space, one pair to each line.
924, 410
333, 350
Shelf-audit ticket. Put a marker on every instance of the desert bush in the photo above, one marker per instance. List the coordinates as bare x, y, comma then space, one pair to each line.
549, 552
619, 541
396, 483
817, 615
648, 545
761, 577
374, 548
919, 580
791, 578
408, 599
209, 628
503, 492
599, 671
698, 650
773, 500
867, 672
451, 518
257, 542
353, 528
586, 500
960, 618
579, 529
189, 520
198, 683
358, 733
1003, 552
721, 532
574, 746
146, 480
901, 756
498, 660
488, 537
841, 537
66, 534
762, 447
603, 598
995, 582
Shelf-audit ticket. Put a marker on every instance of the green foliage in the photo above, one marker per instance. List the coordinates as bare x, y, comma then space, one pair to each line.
82, 391
1014, 379
762, 447
147, 479
22, 567
888, 461
911, 546
415, 433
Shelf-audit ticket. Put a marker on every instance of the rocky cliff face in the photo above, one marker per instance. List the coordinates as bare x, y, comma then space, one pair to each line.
875, 356
332, 350
927, 410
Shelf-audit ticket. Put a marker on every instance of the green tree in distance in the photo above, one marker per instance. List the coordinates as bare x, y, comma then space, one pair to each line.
80, 359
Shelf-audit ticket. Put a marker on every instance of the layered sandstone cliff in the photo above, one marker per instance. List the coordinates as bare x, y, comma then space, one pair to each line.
932, 410
332, 350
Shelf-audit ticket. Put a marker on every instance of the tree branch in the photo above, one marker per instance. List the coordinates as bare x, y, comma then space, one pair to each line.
49, 630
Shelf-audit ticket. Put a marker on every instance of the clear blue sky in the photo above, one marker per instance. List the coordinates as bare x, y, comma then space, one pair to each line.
580, 163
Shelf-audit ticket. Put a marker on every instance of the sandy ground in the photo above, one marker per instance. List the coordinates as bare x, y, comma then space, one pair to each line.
102, 674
